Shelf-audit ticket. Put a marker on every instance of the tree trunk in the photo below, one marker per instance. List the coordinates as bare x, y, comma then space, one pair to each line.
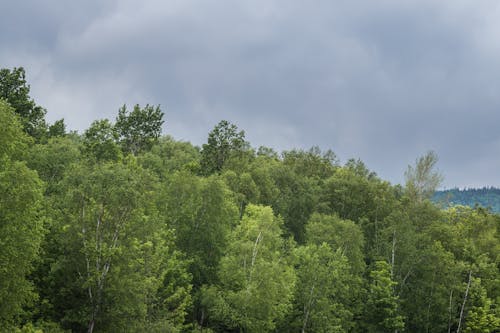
91, 326
393, 253
449, 318
463, 304
308, 310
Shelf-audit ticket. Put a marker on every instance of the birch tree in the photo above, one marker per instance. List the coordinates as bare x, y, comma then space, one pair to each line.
323, 292
257, 280
116, 247
21, 220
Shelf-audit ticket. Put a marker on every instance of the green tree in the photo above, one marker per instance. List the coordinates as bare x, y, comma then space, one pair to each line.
139, 129
244, 188
57, 129
257, 281
51, 160
21, 220
312, 163
296, 201
338, 234
117, 250
483, 316
262, 170
224, 142
201, 211
169, 156
15, 90
422, 180
356, 196
382, 312
323, 295
100, 141
13, 143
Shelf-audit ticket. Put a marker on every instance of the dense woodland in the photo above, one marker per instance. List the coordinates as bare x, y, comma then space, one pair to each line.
487, 197
123, 229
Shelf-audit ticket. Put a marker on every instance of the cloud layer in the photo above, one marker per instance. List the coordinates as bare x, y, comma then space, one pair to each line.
384, 81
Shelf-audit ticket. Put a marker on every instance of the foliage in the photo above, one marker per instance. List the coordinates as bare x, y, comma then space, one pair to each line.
139, 129
382, 310
100, 142
422, 180
14, 89
324, 291
224, 142
256, 280
21, 221
201, 223
487, 197
120, 230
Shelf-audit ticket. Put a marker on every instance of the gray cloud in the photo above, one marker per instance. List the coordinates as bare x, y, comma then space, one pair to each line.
384, 81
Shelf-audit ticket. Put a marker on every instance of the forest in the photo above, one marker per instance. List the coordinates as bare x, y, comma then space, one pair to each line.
487, 197
122, 228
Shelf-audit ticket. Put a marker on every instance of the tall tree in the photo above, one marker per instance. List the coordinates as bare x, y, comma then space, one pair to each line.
296, 201
323, 295
382, 309
140, 128
21, 220
338, 234
422, 179
311, 163
168, 156
116, 249
257, 281
202, 213
15, 90
51, 160
100, 142
224, 142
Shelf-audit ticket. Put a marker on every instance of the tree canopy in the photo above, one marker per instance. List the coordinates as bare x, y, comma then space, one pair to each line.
122, 229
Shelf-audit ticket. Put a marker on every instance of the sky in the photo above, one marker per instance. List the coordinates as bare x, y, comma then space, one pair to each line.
384, 81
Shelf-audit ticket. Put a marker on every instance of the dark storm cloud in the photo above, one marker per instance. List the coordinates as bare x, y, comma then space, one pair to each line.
384, 81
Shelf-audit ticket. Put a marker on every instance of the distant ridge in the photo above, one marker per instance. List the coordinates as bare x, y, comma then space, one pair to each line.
487, 197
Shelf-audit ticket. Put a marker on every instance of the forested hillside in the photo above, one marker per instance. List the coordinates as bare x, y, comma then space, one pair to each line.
124, 229
487, 197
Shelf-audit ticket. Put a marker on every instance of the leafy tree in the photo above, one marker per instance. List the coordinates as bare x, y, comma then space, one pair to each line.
257, 282
430, 289
243, 186
15, 90
169, 156
359, 168
382, 310
57, 129
21, 232
139, 129
354, 196
311, 163
51, 160
262, 171
224, 143
422, 180
202, 212
21, 220
483, 316
99, 141
338, 234
323, 292
296, 201
13, 143
267, 152
116, 249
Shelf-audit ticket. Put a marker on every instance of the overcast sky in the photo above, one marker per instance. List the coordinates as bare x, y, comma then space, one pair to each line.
384, 81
